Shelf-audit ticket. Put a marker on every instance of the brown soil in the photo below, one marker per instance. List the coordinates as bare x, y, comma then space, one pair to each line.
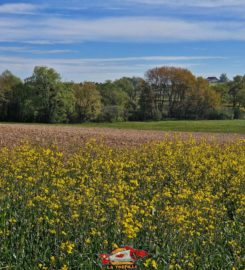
70, 137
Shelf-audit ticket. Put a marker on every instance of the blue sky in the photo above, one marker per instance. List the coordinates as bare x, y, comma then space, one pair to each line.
107, 39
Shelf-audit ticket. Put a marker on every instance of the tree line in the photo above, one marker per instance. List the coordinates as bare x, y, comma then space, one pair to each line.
164, 93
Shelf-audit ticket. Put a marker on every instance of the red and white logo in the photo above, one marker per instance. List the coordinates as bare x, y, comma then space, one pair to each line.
123, 256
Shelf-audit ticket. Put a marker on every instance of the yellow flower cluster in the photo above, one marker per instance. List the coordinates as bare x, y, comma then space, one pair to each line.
182, 201
67, 247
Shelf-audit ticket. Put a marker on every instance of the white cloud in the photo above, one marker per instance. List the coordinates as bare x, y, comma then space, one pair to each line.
117, 4
193, 3
104, 61
29, 50
99, 69
118, 29
17, 8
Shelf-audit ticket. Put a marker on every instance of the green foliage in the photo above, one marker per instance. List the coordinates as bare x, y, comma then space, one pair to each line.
167, 93
88, 102
223, 78
111, 95
45, 98
201, 101
132, 87
148, 110
223, 90
111, 113
241, 97
65, 104
177, 92
8, 87
236, 92
115, 102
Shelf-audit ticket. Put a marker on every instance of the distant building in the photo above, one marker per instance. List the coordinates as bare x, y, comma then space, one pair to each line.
213, 80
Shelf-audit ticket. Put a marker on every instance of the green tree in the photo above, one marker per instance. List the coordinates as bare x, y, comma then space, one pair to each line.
223, 78
46, 98
148, 109
88, 102
112, 113
223, 90
114, 100
8, 87
236, 90
132, 87
201, 102
241, 98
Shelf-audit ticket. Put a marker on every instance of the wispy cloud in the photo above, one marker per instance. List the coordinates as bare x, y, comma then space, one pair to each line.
103, 68
105, 61
194, 3
13, 49
92, 28
114, 4
18, 8
118, 29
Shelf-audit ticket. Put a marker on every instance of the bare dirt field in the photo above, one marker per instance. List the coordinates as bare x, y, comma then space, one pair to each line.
70, 137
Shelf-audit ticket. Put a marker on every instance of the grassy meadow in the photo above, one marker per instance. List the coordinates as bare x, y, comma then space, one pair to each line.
214, 126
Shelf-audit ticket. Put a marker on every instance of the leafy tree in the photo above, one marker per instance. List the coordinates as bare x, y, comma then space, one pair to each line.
8, 86
201, 101
223, 78
241, 97
131, 86
46, 98
88, 101
113, 97
236, 90
148, 109
166, 92
111, 113
223, 90
170, 86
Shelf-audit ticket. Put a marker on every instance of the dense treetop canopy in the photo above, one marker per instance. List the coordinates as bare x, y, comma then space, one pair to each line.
165, 92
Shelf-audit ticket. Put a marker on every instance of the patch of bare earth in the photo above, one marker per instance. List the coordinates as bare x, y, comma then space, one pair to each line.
72, 137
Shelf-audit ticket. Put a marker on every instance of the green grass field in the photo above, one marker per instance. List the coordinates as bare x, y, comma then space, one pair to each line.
217, 126
214, 126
